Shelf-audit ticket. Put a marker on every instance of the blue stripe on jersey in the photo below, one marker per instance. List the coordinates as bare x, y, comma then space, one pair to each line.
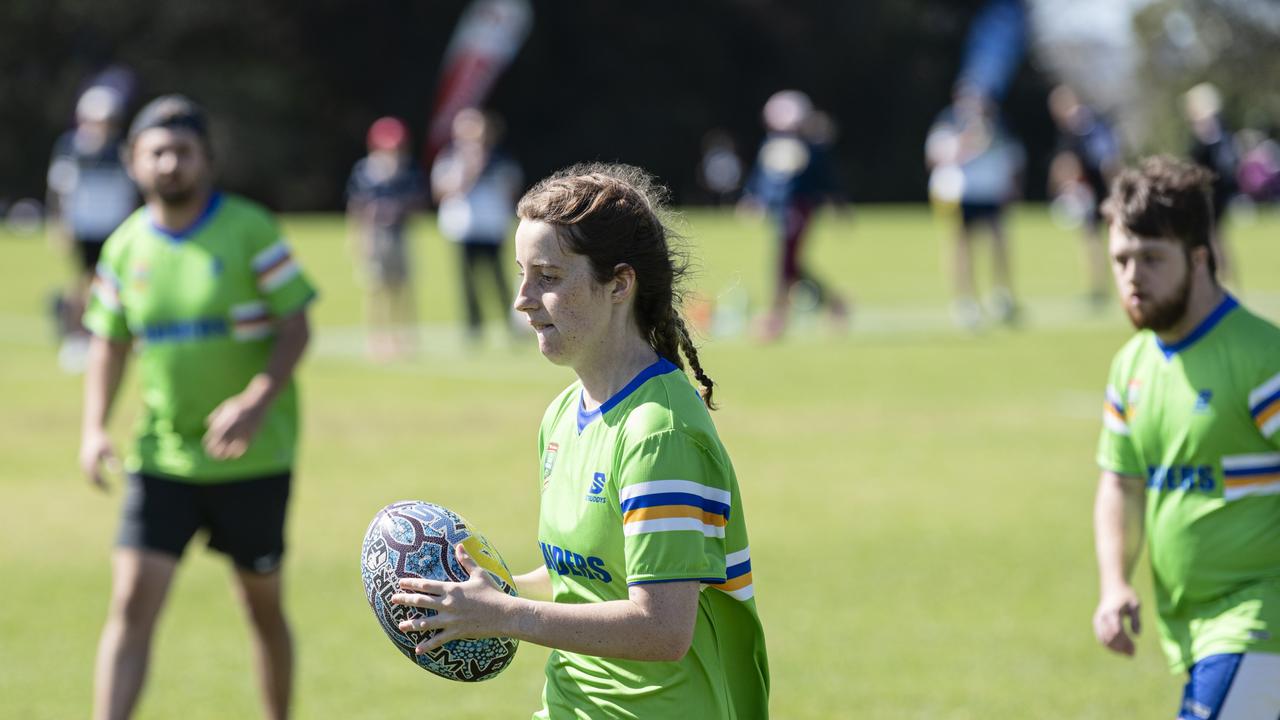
705, 581
185, 330
1246, 472
738, 570
1262, 404
215, 200
1227, 305
661, 367
676, 498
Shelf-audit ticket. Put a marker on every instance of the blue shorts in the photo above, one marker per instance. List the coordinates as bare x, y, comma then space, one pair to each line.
1233, 687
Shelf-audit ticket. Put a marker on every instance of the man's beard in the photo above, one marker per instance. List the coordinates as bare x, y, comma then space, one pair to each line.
175, 195
171, 193
1165, 314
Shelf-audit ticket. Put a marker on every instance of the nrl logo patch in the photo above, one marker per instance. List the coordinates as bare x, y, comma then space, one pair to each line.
549, 459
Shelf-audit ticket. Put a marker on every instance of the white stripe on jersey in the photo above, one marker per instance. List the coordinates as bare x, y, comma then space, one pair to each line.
737, 558
1265, 390
1232, 463
270, 256
1269, 427
667, 524
655, 487
248, 311
742, 593
282, 274
1255, 690
1114, 397
1115, 424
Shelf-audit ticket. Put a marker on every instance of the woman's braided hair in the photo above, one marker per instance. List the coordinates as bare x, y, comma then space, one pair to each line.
614, 214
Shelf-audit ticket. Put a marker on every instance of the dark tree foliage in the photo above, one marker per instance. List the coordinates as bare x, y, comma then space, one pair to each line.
293, 85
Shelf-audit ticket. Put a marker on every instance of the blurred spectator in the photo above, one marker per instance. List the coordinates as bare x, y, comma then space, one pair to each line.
385, 187
1087, 157
90, 194
792, 177
720, 170
1259, 173
1212, 147
976, 168
477, 185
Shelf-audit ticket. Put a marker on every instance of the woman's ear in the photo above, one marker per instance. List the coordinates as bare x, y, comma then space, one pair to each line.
624, 282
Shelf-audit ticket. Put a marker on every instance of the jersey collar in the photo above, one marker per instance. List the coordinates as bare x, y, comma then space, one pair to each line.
586, 417
215, 200
1227, 305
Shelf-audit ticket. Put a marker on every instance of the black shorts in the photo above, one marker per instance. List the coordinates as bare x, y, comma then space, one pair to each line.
971, 213
244, 518
88, 251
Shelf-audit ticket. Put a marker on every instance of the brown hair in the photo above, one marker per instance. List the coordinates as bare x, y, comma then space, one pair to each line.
614, 214
1166, 198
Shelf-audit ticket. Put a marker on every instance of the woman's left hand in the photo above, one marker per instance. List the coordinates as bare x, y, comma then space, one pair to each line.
473, 608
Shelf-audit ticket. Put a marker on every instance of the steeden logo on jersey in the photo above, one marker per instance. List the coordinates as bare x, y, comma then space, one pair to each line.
597, 486
1203, 398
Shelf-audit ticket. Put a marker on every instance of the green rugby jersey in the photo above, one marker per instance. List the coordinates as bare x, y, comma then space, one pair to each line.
201, 303
642, 491
1199, 420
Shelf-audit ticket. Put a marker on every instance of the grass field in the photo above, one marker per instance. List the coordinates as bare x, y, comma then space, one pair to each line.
919, 499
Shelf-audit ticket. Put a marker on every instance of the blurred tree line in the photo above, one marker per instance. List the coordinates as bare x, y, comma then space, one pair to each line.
292, 86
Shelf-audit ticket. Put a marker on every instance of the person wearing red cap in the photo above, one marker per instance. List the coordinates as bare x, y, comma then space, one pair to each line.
385, 187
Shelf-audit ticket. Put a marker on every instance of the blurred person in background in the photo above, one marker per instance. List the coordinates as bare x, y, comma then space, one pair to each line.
1190, 454
204, 285
1086, 159
1213, 147
476, 186
720, 168
792, 177
976, 169
1259, 173
90, 194
384, 189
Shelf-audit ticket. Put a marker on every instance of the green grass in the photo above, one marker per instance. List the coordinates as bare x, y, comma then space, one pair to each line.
919, 500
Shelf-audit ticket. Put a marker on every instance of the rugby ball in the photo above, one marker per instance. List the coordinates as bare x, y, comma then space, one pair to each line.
414, 539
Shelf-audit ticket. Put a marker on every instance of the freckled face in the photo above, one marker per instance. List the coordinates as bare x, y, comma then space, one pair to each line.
567, 308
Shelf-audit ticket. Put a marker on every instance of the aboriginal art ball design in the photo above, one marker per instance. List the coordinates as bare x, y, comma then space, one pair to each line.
413, 539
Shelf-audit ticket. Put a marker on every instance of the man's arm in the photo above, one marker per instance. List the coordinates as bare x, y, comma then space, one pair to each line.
233, 423
1118, 513
105, 369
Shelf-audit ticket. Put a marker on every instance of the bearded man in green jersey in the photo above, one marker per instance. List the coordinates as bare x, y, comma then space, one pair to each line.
1190, 453
201, 283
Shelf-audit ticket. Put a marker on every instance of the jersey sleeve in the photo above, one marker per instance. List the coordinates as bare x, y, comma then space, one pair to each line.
1264, 404
1116, 451
675, 502
104, 316
279, 277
